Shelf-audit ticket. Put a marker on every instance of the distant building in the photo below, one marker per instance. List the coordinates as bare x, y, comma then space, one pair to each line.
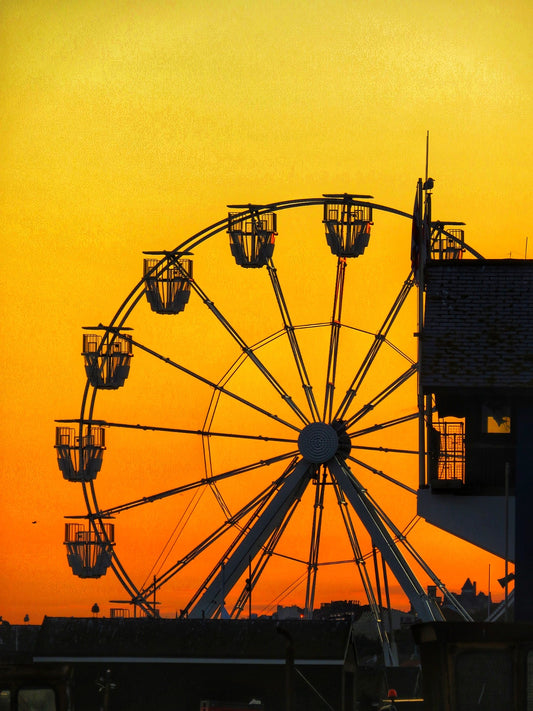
338, 610
292, 612
476, 604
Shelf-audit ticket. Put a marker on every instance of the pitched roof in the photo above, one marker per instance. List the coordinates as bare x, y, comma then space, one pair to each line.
182, 639
478, 329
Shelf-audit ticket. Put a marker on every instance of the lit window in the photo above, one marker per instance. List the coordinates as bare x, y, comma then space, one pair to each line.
496, 420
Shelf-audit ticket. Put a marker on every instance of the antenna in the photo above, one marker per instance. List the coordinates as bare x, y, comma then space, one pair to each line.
427, 156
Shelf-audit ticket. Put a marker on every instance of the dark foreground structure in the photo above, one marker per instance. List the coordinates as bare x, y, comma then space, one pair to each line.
485, 665
99, 664
477, 371
184, 664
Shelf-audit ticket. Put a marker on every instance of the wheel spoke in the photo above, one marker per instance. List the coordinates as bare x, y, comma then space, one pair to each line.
205, 481
388, 390
384, 425
213, 385
334, 340
293, 341
249, 509
178, 430
382, 474
386, 450
314, 547
242, 344
379, 338
174, 536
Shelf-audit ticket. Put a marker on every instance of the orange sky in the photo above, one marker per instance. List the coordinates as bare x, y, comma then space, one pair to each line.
129, 126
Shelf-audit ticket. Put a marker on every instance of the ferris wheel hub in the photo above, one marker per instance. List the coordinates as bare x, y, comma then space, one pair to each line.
318, 442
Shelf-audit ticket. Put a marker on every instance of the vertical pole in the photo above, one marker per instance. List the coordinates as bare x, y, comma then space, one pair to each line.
421, 408
223, 591
506, 572
249, 587
429, 428
378, 583
427, 155
488, 597
393, 648
523, 534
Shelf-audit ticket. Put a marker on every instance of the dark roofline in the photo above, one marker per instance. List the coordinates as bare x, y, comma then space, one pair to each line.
185, 641
233, 661
480, 263
478, 327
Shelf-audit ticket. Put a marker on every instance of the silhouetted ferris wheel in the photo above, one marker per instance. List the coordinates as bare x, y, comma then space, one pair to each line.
268, 430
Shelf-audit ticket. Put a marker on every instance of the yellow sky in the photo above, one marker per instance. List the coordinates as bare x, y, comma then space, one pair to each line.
128, 126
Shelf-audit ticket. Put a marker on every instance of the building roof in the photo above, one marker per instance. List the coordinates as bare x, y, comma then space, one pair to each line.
201, 641
467, 585
478, 329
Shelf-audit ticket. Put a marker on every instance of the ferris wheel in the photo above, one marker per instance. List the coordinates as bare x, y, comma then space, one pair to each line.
250, 424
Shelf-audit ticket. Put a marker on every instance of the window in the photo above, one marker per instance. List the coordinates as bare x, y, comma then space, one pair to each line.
496, 419
36, 700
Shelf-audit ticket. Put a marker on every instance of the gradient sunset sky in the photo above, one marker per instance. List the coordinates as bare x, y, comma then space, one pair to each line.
128, 126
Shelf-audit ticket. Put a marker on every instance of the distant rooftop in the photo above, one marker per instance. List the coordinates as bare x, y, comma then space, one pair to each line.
478, 328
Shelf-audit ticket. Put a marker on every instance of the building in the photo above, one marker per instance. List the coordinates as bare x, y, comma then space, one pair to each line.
477, 604
177, 663
477, 381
